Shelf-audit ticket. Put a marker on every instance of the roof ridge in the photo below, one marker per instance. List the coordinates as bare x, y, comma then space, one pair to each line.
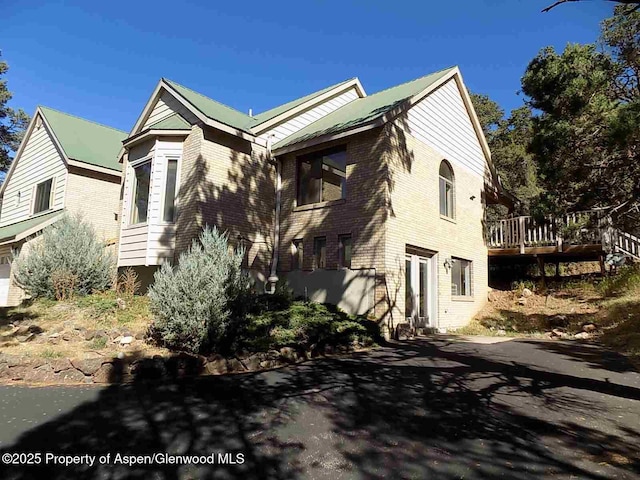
80, 118
208, 98
413, 80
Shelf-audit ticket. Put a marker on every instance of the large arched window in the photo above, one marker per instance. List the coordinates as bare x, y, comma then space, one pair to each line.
447, 190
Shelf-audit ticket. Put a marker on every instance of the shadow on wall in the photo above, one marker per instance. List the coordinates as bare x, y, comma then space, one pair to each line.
414, 410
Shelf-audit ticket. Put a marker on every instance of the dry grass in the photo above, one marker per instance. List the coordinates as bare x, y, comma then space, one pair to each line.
569, 305
65, 325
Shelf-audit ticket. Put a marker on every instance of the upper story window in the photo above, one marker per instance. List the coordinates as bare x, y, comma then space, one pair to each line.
140, 193
447, 190
322, 176
43, 196
169, 211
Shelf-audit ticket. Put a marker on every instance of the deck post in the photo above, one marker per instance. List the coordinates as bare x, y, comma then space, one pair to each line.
559, 241
521, 234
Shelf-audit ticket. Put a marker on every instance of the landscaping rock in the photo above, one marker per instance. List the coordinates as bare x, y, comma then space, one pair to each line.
87, 366
234, 365
89, 335
140, 336
526, 292
41, 374
589, 327
216, 365
126, 340
582, 336
522, 301
559, 321
26, 338
21, 331
403, 331
71, 376
121, 303
501, 332
253, 362
289, 354
60, 364
184, 365
104, 374
35, 329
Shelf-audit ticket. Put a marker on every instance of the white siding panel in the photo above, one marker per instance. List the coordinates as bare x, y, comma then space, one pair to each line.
300, 121
165, 106
40, 160
441, 121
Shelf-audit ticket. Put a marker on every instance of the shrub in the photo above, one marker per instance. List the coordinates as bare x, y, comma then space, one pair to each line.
199, 303
307, 326
128, 283
625, 279
66, 259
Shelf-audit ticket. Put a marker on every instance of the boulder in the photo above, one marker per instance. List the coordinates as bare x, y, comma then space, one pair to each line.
559, 321
216, 364
582, 336
234, 365
126, 340
252, 363
35, 329
526, 292
87, 366
589, 327
71, 376
21, 331
42, 374
104, 374
89, 335
289, 354
26, 338
60, 364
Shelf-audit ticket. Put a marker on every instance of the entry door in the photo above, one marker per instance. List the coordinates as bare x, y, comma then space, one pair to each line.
420, 291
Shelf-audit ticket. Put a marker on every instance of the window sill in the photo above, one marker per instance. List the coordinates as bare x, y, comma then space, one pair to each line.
448, 219
136, 225
314, 206
462, 298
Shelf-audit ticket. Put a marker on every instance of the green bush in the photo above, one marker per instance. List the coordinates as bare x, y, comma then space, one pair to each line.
306, 326
68, 250
199, 304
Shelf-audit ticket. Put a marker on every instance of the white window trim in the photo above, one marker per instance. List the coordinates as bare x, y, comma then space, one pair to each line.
163, 190
34, 191
133, 165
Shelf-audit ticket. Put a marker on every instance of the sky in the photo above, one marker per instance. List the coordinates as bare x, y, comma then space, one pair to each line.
102, 60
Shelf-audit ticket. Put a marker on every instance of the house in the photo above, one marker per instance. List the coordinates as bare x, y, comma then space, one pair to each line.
64, 163
373, 202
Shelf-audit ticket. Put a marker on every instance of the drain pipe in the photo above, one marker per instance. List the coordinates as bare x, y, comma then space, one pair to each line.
273, 278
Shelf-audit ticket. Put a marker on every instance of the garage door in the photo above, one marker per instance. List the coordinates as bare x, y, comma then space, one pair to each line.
5, 271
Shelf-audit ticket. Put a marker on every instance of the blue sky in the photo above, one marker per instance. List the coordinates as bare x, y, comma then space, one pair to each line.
101, 60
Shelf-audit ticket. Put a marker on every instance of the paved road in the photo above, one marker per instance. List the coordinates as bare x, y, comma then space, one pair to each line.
426, 409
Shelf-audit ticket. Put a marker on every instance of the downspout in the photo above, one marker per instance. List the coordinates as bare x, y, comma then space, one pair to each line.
273, 278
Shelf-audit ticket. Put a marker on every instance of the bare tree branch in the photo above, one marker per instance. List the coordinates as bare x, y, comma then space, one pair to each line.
625, 2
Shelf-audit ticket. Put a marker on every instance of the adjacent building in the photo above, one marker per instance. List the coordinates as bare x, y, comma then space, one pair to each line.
64, 163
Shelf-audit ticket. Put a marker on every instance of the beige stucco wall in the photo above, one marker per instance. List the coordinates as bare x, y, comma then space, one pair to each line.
96, 197
227, 182
416, 221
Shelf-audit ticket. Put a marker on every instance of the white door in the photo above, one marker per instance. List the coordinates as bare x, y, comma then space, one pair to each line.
420, 291
5, 272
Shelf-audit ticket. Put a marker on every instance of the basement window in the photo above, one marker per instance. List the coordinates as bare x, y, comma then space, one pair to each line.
140, 194
344, 251
297, 254
322, 176
319, 253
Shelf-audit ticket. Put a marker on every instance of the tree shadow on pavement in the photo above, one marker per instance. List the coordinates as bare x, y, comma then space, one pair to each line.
408, 410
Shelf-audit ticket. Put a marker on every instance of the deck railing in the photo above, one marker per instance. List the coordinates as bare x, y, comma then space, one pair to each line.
584, 228
627, 243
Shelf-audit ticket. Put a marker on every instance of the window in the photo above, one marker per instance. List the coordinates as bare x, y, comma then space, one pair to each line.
320, 252
446, 190
460, 277
344, 251
43, 196
140, 196
169, 211
297, 254
322, 176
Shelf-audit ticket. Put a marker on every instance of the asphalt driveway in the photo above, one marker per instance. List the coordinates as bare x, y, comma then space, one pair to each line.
424, 409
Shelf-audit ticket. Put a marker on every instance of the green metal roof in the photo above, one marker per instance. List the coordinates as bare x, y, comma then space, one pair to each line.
86, 141
363, 110
172, 122
274, 112
12, 231
212, 109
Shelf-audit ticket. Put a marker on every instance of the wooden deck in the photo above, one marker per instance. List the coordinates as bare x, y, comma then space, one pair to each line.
572, 237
